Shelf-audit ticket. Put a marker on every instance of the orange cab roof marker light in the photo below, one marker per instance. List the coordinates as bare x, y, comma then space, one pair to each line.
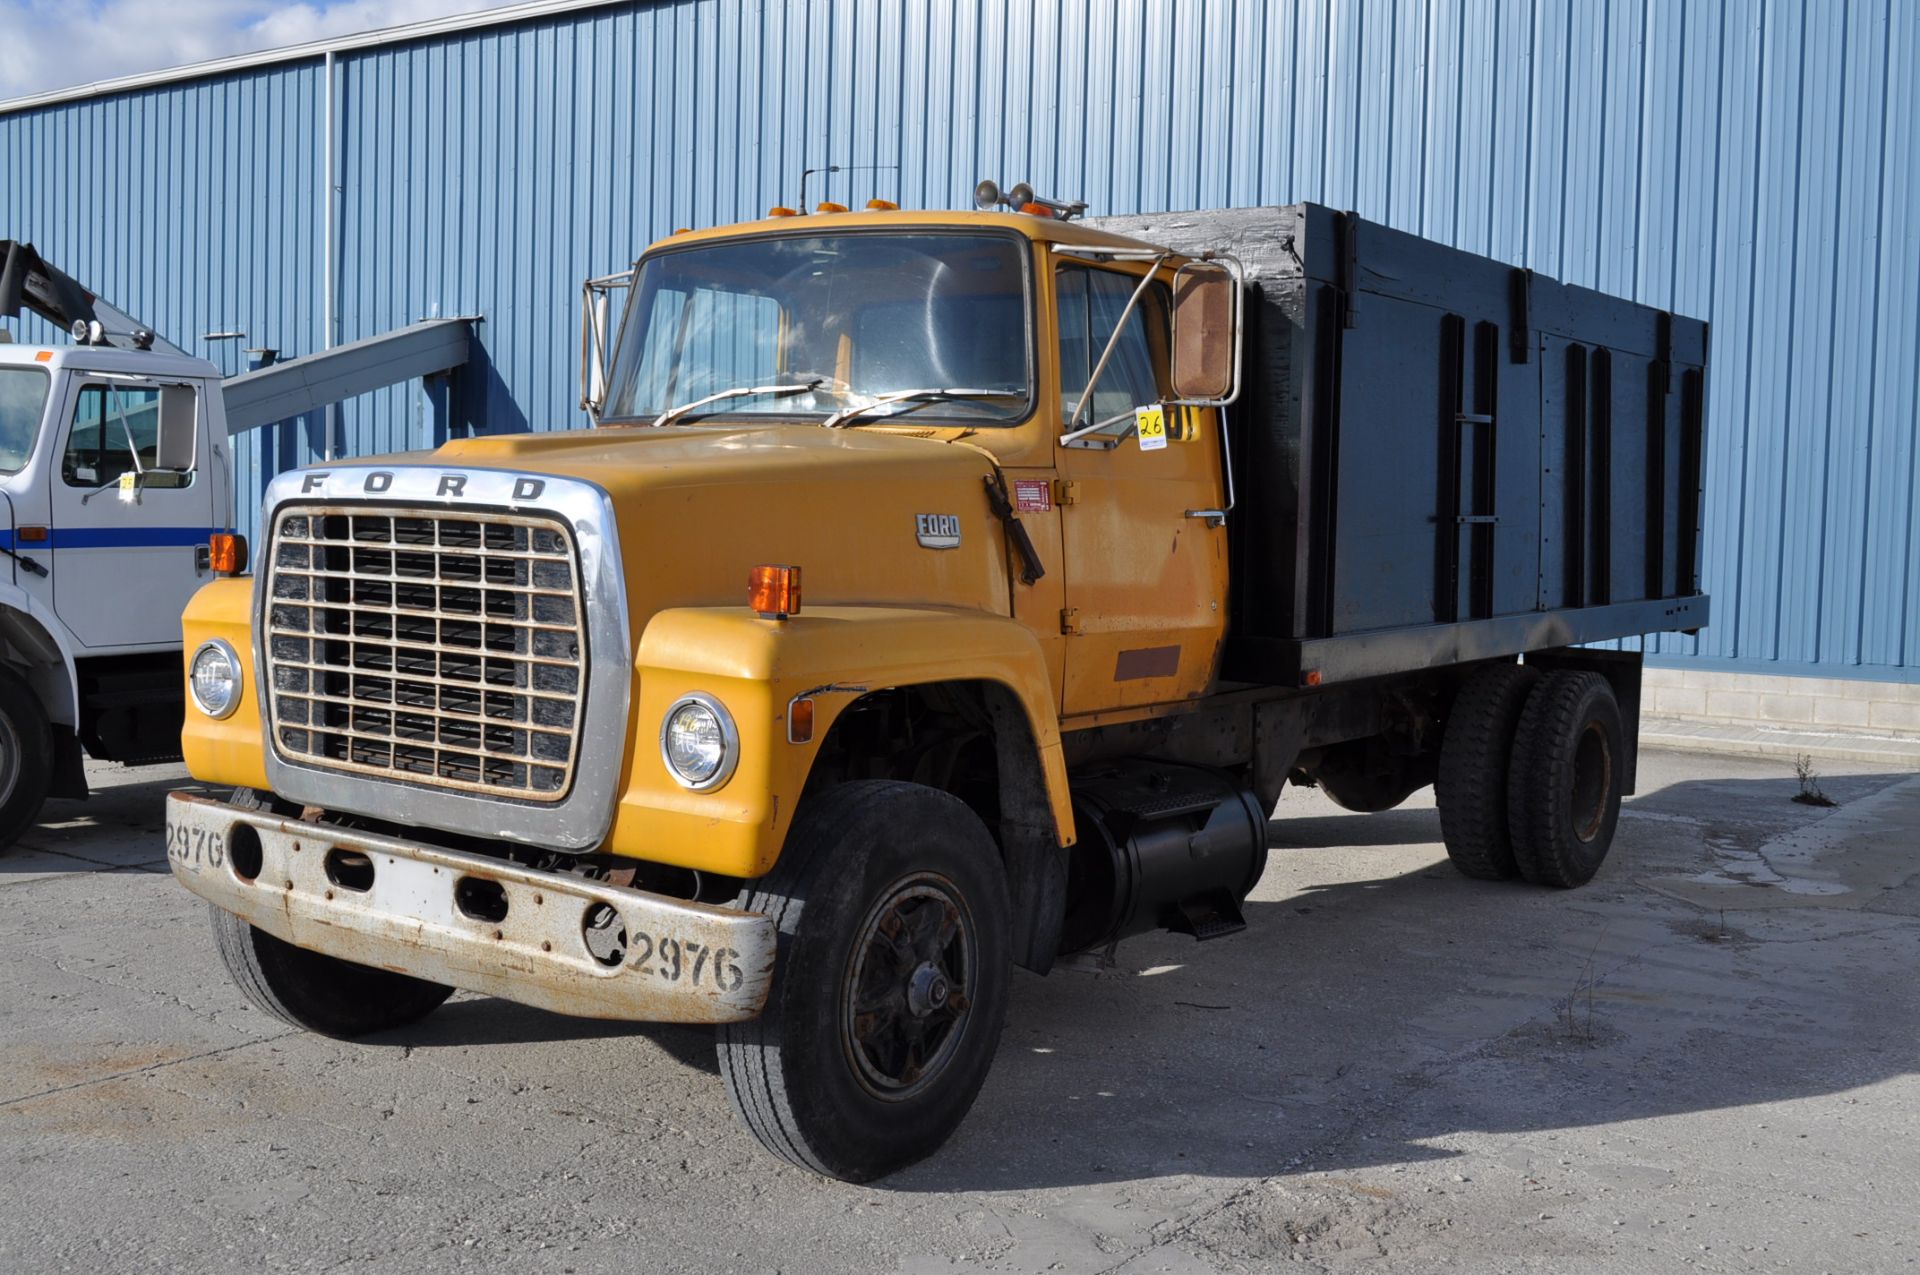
774, 591
781, 210
828, 206
882, 205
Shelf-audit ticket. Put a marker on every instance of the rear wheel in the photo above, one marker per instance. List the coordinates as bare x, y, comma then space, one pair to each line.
1474, 756
1563, 784
890, 985
318, 992
26, 757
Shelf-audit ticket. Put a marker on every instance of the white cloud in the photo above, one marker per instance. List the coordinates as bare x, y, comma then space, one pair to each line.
49, 44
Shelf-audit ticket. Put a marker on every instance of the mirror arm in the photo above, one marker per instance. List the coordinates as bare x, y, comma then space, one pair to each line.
596, 305
1218, 517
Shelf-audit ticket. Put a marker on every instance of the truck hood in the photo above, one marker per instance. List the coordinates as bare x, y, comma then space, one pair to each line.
697, 507
637, 458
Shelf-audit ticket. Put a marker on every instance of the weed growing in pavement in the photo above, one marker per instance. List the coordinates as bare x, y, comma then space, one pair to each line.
1809, 794
1576, 1011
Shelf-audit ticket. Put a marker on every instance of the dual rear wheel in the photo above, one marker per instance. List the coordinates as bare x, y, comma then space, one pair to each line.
1531, 769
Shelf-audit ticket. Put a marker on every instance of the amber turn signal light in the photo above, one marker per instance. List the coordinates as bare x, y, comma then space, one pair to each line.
800, 720
774, 591
227, 553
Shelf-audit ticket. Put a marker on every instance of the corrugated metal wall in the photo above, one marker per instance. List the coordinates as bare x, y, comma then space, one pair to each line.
1757, 163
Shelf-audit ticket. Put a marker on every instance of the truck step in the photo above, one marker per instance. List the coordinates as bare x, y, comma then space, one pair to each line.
1213, 915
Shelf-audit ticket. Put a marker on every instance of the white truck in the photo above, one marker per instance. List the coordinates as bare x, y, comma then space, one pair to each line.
117, 495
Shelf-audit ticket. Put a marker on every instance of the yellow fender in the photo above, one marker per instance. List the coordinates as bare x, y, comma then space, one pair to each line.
755, 667
230, 750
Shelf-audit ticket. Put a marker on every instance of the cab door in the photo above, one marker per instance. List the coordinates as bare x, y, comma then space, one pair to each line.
132, 514
1146, 580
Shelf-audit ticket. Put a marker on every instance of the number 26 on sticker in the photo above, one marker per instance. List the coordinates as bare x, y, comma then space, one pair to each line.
1151, 425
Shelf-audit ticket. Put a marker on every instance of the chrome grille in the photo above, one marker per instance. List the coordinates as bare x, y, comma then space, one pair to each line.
445, 648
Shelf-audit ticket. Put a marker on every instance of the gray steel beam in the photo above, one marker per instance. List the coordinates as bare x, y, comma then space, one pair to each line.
286, 390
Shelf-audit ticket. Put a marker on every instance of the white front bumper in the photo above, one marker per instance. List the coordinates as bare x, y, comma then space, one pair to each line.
684, 962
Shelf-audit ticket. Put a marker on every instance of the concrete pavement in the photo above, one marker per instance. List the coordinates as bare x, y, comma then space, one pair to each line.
1704, 1060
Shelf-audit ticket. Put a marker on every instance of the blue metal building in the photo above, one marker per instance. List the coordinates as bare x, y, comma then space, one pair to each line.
1756, 162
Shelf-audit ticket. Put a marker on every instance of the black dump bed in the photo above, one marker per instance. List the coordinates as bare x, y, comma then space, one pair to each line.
1439, 458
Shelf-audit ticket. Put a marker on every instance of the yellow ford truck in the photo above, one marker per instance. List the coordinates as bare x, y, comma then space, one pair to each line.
938, 593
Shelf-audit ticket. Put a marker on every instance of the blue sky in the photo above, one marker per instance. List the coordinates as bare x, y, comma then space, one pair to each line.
50, 44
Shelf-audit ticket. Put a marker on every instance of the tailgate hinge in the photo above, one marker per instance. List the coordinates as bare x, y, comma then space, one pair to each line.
1069, 620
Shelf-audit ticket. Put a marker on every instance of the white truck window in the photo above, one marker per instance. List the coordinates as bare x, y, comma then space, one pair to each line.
117, 430
23, 396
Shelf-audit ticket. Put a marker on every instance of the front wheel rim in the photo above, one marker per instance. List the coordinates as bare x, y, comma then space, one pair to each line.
912, 975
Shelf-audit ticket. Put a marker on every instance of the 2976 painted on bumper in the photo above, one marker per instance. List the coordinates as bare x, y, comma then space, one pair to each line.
472, 922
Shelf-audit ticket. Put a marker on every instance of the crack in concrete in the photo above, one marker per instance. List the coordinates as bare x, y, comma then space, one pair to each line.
150, 1067
98, 868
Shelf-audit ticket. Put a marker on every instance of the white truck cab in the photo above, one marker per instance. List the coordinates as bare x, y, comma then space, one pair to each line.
116, 503
114, 481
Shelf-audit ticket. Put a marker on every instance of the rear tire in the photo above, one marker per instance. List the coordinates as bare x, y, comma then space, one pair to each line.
890, 986
26, 757
1474, 758
1563, 785
318, 992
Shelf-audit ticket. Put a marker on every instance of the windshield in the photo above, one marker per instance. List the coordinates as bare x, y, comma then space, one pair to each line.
23, 396
865, 314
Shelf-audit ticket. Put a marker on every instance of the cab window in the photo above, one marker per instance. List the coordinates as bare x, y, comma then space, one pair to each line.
1091, 302
860, 316
120, 429
23, 396
702, 340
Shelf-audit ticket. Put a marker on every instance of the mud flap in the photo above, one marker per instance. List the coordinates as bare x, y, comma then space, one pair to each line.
69, 769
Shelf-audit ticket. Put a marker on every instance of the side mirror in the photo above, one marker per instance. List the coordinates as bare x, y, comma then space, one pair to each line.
596, 331
1206, 332
177, 439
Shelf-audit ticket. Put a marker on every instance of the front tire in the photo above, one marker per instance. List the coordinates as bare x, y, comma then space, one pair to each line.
321, 993
890, 986
1563, 784
26, 757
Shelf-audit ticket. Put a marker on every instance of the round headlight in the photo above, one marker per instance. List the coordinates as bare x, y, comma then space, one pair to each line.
214, 677
698, 742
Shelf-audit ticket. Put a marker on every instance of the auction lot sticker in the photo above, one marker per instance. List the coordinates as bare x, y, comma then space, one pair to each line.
1151, 423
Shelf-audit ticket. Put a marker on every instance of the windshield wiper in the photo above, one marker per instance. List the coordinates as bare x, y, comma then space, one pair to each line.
673, 414
847, 415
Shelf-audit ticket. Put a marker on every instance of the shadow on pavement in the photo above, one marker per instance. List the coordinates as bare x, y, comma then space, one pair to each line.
122, 825
1363, 1022
1373, 1009
483, 1020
